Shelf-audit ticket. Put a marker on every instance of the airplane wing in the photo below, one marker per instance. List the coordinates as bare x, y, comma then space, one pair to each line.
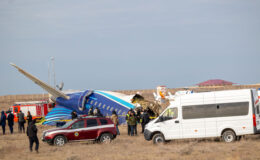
54, 92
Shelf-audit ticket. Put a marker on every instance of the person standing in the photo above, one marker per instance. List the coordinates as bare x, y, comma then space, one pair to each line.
95, 112
3, 121
10, 119
127, 121
90, 112
132, 122
32, 135
114, 118
21, 122
137, 118
29, 117
74, 115
99, 114
144, 119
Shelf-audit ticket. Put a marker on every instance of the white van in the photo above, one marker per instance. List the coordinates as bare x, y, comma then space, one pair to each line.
225, 114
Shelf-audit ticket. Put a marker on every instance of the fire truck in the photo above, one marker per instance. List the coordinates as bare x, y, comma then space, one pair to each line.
38, 109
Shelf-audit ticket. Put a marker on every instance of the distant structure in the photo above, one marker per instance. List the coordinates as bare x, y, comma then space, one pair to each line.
215, 82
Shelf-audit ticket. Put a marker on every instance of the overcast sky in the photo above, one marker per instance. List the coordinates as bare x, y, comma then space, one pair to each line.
136, 44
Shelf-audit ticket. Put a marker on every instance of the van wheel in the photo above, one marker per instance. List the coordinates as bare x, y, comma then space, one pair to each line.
105, 138
228, 136
158, 139
59, 140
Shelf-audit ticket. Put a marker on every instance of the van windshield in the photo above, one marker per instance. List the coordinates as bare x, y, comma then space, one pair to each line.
171, 113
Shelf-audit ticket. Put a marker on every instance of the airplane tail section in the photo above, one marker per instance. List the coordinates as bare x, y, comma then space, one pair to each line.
54, 92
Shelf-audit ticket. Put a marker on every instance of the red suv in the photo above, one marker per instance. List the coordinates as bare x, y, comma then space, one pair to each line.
87, 128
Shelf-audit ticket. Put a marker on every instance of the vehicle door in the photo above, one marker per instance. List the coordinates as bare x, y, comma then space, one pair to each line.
92, 129
76, 132
193, 121
170, 124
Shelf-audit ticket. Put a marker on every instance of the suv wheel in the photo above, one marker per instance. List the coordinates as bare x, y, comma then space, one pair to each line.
228, 136
59, 140
158, 139
105, 138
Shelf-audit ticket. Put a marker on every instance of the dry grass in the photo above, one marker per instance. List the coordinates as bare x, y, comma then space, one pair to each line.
130, 148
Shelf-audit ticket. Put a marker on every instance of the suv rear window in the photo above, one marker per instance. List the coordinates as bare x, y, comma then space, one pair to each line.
91, 122
103, 121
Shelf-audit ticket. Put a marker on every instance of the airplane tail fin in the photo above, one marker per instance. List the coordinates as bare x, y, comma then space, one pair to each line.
54, 92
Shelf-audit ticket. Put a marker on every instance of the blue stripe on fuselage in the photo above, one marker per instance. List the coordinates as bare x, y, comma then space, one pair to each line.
129, 105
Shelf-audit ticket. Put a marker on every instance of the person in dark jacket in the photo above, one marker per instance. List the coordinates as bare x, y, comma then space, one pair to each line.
29, 117
32, 135
10, 119
3, 121
21, 122
144, 119
90, 112
74, 115
128, 126
137, 117
98, 113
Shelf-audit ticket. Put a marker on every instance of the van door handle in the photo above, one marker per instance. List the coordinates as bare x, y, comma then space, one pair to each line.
177, 121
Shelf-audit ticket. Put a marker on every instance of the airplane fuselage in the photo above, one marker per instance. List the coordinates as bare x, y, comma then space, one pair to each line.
105, 101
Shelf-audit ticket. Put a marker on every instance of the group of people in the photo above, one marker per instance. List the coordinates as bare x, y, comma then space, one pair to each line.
9, 119
31, 127
94, 112
133, 118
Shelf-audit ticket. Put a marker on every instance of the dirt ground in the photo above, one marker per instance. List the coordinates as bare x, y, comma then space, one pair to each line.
130, 148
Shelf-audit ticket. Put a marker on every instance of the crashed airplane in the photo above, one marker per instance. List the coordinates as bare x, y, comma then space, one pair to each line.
82, 101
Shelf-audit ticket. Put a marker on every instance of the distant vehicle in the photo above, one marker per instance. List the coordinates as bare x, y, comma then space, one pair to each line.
225, 114
88, 128
38, 109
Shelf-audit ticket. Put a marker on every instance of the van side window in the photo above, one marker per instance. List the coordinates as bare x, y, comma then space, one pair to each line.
199, 111
171, 113
257, 109
233, 109
215, 110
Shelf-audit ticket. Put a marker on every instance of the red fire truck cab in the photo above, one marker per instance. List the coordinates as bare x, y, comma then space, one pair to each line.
38, 109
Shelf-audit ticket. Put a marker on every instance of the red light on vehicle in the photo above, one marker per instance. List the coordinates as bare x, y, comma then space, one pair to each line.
254, 120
